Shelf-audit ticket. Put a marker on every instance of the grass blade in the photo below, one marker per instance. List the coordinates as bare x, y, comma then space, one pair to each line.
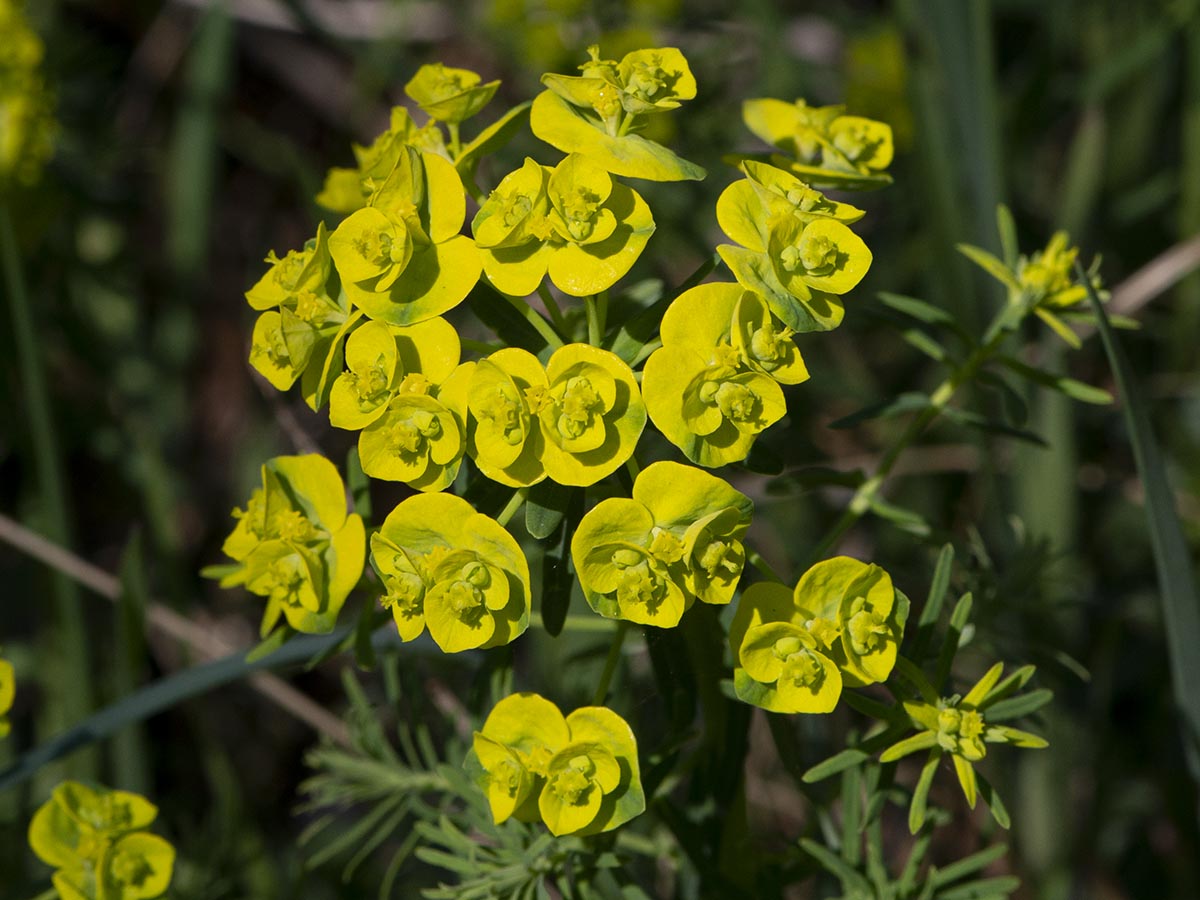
1181, 605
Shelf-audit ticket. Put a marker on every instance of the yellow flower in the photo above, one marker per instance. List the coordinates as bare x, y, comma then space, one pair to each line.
575, 421
579, 774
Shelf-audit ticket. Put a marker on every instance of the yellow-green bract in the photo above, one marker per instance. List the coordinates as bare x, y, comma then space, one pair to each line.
401, 258
713, 386
649, 558
346, 190
575, 421
27, 126
571, 221
405, 390
796, 649
295, 336
296, 545
795, 249
445, 566
824, 146
97, 842
449, 95
8, 693
958, 726
578, 774
598, 113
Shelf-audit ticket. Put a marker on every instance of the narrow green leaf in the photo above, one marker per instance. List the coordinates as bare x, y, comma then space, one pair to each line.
1023, 705
851, 879
969, 864
984, 889
811, 477
995, 804
922, 342
1172, 558
1009, 685
917, 309
1008, 236
911, 401
164, 694
990, 264
870, 707
920, 798
269, 644
1076, 390
991, 426
922, 741
839, 762
958, 622
933, 601
904, 519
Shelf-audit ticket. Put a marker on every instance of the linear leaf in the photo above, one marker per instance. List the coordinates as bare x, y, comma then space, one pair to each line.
990, 264
911, 401
1076, 390
1023, 705
1172, 559
851, 879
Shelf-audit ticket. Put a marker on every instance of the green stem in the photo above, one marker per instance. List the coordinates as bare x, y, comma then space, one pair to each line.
866, 493
76, 693
597, 310
634, 469
755, 559
534, 318
610, 664
552, 307
515, 502
455, 141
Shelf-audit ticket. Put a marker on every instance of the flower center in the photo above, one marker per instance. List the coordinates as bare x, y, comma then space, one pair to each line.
639, 584
574, 782
286, 576
370, 387
736, 401
404, 593
666, 548
410, 433
504, 412
716, 555
803, 669
770, 347
855, 143
868, 631
578, 403
292, 526
647, 78
130, 868
579, 210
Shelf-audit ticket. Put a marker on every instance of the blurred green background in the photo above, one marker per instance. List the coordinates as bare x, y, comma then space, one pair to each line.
193, 136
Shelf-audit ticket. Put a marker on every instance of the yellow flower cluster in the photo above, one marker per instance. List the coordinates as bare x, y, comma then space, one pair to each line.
97, 841
579, 774
355, 317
